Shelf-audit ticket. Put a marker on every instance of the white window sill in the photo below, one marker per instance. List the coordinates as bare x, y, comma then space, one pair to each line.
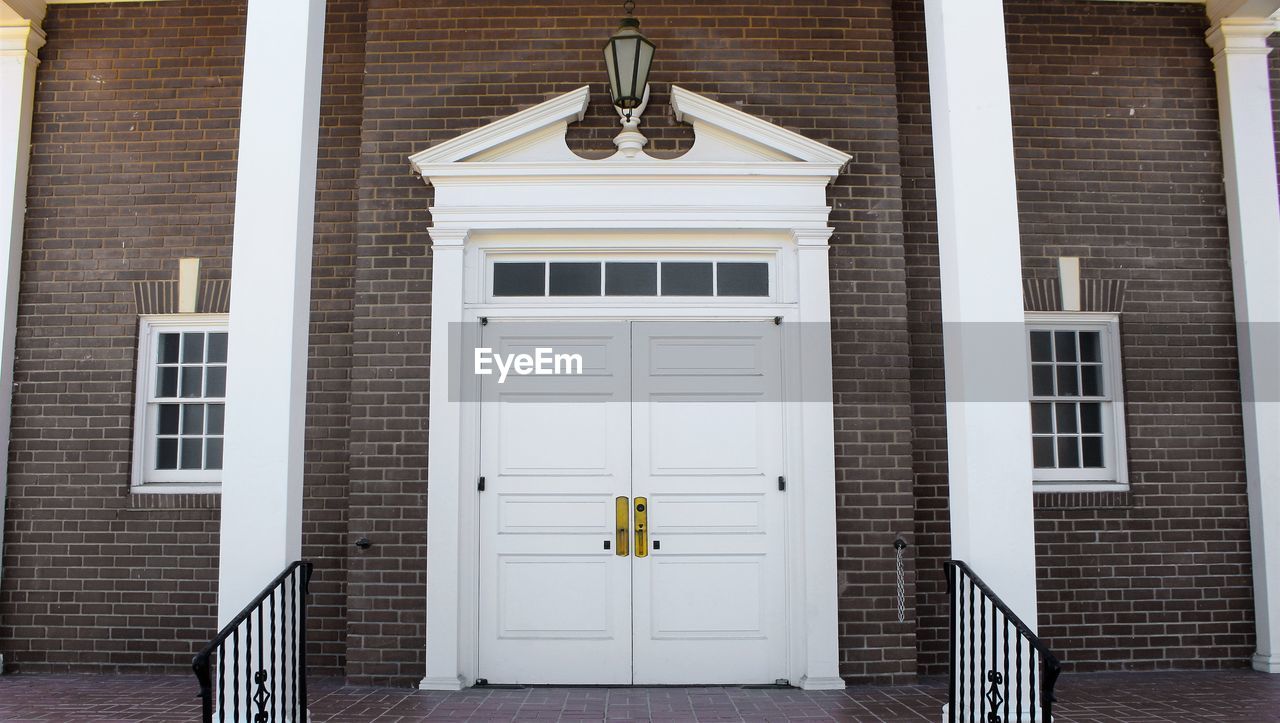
177, 488
1078, 486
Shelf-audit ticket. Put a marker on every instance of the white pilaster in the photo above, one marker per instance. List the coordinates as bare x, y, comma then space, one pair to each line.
1253, 219
444, 469
270, 298
821, 574
19, 41
988, 419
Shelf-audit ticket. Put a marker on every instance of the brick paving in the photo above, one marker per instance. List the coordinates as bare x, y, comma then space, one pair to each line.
1229, 696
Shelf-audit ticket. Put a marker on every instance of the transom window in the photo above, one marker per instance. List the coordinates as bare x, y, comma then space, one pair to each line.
182, 386
1077, 419
631, 278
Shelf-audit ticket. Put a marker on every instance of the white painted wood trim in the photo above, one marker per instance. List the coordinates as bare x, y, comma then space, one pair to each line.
261, 527
738, 196
1253, 223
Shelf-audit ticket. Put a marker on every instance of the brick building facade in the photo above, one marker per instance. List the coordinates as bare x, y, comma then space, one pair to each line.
133, 166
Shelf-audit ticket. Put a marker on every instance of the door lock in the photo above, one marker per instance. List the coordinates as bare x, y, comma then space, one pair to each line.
642, 527
622, 514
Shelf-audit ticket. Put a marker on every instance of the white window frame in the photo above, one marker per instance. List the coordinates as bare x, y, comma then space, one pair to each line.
145, 480
623, 254
1114, 474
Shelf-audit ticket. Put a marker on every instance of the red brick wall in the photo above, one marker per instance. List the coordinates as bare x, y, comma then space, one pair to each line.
1119, 163
436, 69
133, 167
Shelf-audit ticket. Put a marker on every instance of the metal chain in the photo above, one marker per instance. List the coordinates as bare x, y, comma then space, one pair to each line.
629, 6
899, 548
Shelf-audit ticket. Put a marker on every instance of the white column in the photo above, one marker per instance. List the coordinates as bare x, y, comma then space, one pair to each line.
988, 418
19, 41
1253, 220
444, 469
270, 298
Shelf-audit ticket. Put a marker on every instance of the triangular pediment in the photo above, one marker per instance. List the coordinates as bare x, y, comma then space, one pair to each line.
534, 139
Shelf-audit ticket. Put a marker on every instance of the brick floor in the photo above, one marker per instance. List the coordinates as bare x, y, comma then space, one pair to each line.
1241, 696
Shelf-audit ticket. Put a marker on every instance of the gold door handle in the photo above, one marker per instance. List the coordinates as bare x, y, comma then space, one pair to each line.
642, 527
622, 513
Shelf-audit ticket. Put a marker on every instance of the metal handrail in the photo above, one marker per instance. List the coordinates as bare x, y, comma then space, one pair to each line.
1036, 650
298, 576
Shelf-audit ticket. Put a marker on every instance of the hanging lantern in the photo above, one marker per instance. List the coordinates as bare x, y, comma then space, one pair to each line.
628, 55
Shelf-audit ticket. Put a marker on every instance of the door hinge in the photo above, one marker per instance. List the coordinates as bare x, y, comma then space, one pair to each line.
782, 483
480, 486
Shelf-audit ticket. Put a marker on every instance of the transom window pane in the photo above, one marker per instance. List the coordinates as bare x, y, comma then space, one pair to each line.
742, 279
686, 278
519, 279
189, 399
571, 278
631, 278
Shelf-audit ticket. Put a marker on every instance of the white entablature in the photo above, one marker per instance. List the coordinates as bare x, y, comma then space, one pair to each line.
742, 172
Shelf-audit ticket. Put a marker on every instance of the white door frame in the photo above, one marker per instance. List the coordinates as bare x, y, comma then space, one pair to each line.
746, 186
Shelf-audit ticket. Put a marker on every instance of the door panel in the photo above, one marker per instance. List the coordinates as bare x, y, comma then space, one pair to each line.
685, 416
555, 605
707, 441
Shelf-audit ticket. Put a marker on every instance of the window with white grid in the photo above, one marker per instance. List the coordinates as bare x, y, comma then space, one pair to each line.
1077, 409
182, 387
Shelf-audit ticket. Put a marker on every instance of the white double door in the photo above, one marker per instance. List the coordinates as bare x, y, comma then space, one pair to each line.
682, 419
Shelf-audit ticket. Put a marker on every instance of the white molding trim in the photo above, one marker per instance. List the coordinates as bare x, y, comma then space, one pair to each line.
1115, 433
571, 105
745, 186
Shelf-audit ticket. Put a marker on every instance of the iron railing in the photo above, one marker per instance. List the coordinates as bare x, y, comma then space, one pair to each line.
1018, 672
261, 656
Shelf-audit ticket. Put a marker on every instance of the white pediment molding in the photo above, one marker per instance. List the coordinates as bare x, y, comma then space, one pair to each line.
532, 143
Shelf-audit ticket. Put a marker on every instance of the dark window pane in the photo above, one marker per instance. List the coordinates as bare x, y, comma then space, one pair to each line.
167, 382
1091, 381
1066, 414
1092, 451
166, 453
1068, 384
1091, 418
1068, 453
1064, 343
1042, 380
1041, 347
216, 384
168, 419
571, 278
193, 419
169, 348
213, 454
193, 347
1042, 418
192, 453
1090, 346
191, 381
742, 279
630, 278
215, 414
686, 278
218, 347
519, 279
1042, 447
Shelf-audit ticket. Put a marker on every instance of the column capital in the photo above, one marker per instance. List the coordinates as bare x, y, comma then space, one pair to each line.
442, 238
813, 237
1244, 36
20, 36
